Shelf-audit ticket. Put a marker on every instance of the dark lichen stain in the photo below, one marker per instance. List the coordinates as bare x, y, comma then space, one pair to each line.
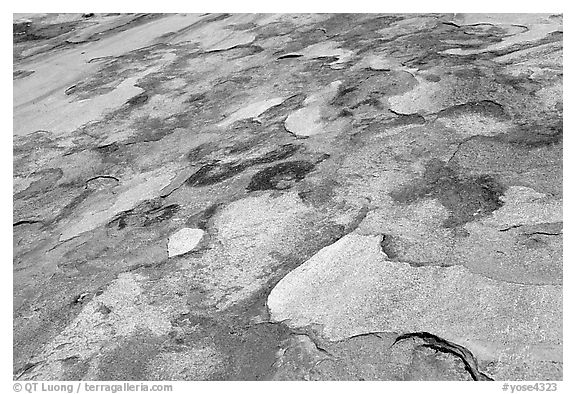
201, 219
129, 360
318, 195
466, 199
534, 135
216, 171
371, 100
152, 128
519, 83
243, 51
212, 173
33, 141
145, 214
21, 27
255, 357
272, 178
249, 350
354, 33
26, 31
196, 154
160, 214
281, 153
75, 368
138, 100
368, 87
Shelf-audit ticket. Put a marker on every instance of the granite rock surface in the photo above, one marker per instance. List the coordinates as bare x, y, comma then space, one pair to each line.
287, 197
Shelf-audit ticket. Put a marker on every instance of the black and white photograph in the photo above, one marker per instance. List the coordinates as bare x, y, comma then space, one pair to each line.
308, 196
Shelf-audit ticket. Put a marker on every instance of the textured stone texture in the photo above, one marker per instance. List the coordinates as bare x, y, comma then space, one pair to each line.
287, 196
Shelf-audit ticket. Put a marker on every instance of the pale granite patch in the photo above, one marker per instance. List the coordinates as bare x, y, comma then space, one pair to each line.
308, 121
251, 111
183, 241
348, 289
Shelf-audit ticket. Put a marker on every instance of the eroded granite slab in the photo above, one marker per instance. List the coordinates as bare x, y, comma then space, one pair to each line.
288, 197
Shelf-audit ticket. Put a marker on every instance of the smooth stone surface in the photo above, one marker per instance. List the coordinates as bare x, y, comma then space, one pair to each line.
183, 241
54, 74
348, 289
525, 255
62, 115
414, 234
379, 64
308, 121
219, 35
536, 27
305, 121
213, 39
522, 206
252, 110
